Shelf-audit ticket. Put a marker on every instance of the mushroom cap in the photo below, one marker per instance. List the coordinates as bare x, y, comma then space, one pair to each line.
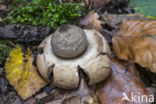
94, 62
69, 41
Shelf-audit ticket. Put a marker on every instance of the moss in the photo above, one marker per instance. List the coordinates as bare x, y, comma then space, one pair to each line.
44, 12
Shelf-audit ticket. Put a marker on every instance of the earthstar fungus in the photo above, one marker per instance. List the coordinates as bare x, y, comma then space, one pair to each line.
70, 49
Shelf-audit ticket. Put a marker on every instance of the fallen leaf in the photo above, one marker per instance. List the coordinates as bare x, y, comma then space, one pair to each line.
21, 73
87, 2
115, 20
147, 76
124, 81
82, 95
116, 7
30, 101
61, 1
100, 3
152, 90
91, 21
136, 41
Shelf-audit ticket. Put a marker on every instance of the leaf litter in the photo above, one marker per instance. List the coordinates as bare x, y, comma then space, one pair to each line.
129, 69
22, 74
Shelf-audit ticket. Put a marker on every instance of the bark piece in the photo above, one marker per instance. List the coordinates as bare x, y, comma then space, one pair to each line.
26, 33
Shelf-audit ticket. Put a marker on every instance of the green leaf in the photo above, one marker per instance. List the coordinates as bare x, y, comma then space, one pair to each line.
145, 7
151, 17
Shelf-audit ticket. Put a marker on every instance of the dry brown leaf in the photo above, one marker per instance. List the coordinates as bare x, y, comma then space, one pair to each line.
100, 3
124, 78
22, 74
83, 95
115, 20
91, 21
136, 41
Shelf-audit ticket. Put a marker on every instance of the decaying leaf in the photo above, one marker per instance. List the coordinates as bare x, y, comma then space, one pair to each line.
83, 95
136, 41
22, 74
124, 81
115, 20
91, 21
100, 3
147, 76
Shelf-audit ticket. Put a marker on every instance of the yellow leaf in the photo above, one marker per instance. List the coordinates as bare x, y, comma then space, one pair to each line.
22, 74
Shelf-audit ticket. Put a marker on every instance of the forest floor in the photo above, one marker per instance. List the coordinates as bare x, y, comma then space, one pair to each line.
107, 19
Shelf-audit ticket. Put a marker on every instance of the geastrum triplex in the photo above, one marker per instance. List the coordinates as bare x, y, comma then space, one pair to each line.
70, 49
